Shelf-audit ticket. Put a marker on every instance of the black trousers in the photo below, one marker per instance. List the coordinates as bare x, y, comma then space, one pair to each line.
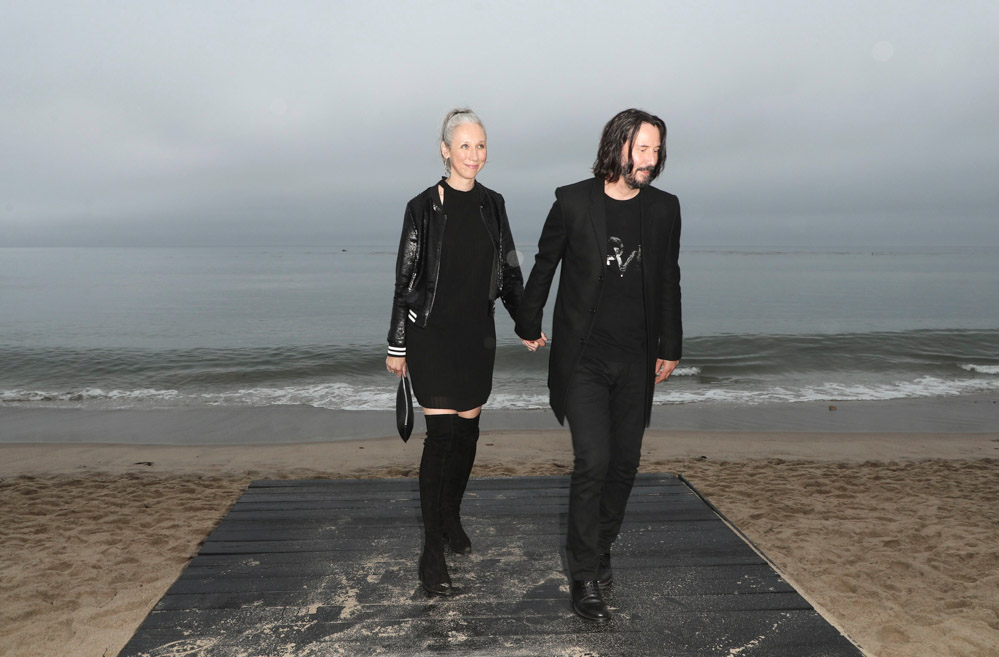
606, 414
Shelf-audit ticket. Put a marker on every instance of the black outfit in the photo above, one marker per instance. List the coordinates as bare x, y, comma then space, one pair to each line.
604, 411
455, 258
619, 326
607, 332
575, 235
450, 360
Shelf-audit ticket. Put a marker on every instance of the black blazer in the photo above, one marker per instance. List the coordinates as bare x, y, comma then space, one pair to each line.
575, 234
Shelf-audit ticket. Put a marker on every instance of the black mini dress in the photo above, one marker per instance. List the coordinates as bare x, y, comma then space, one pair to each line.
450, 361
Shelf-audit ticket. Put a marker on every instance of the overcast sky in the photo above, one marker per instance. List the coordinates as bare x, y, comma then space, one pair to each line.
288, 123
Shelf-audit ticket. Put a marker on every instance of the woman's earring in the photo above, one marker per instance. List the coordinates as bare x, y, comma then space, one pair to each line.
447, 167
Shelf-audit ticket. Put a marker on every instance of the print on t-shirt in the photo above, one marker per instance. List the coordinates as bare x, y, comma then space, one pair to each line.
616, 258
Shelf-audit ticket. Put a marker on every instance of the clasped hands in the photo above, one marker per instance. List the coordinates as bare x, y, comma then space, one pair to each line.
532, 345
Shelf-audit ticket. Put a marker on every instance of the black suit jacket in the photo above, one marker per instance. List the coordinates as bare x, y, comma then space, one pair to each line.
575, 235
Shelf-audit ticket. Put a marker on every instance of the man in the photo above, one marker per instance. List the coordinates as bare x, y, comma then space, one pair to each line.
616, 331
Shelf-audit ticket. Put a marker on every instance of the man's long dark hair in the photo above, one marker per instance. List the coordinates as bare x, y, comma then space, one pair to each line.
621, 130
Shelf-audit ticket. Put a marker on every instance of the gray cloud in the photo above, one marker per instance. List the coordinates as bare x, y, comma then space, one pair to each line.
257, 123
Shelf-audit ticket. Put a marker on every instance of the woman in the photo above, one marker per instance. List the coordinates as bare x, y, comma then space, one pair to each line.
456, 256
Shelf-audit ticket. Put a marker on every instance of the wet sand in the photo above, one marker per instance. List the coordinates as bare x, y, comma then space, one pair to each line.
270, 425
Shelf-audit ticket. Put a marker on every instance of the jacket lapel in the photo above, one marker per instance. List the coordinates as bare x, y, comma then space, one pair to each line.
648, 250
490, 217
598, 217
650, 253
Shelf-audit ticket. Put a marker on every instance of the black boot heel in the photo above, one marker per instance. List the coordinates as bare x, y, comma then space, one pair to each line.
455, 537
433, 573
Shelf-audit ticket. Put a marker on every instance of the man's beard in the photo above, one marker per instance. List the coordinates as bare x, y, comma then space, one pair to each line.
637, 183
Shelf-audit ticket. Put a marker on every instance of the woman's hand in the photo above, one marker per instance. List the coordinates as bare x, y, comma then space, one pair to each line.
533, 345
396, 365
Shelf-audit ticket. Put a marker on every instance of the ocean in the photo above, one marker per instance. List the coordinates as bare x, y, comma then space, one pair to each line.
116, 328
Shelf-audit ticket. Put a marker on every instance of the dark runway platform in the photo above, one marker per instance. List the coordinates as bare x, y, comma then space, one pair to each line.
328, 568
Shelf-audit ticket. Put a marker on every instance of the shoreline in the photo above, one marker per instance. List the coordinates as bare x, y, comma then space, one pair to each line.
500, 453
307, 424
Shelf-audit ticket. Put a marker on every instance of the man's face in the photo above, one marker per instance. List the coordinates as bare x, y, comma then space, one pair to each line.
644, 156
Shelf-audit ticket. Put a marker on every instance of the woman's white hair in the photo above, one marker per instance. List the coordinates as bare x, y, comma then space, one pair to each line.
456, 117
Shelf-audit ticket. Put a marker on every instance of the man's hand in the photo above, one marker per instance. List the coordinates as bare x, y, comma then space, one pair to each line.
664, 368
534, 344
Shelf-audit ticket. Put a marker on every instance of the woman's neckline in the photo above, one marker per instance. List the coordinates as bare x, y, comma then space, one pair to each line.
455, 189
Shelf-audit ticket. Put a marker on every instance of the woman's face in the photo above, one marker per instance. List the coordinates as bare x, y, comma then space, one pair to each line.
467, 151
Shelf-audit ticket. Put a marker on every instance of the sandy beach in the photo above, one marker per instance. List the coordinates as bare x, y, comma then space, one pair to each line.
891, 535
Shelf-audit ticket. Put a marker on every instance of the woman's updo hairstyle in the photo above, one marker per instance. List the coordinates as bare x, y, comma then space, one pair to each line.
456, 117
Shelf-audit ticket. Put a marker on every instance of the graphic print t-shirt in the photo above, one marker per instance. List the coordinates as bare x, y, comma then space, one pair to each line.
619, 329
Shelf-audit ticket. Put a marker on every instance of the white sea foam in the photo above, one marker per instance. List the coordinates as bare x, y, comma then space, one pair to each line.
981, 369
321, 395
511, 394
347, 397
88, 395
371, 398
927, 386
518, 401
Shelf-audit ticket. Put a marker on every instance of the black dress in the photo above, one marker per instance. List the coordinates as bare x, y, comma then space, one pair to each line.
451, 360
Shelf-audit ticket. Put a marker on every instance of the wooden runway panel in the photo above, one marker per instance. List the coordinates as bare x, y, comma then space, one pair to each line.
328, 568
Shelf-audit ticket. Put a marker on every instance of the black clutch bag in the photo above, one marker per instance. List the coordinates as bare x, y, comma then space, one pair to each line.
404, 416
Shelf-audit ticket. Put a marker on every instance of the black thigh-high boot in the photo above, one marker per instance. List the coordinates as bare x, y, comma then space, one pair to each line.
436, 452
457, 472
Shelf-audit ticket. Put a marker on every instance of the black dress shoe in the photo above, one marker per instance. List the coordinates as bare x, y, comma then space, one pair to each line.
605, 576
587, 601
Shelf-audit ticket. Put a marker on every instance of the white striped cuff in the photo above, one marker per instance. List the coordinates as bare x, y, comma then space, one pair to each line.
398, 352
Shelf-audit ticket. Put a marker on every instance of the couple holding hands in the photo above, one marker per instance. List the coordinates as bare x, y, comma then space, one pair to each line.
616, 319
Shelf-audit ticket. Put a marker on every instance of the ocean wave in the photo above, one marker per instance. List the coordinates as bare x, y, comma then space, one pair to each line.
981, 369
90, 394
922, 387
342, 396
336, 396
518, 401
381, 397
743, 357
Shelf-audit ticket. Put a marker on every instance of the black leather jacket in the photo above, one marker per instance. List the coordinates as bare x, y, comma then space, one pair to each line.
418, 264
